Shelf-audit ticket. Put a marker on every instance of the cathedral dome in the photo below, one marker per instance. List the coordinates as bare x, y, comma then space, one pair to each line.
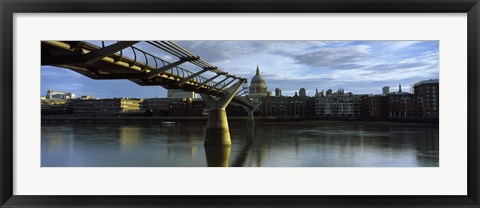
258, 88
258, 80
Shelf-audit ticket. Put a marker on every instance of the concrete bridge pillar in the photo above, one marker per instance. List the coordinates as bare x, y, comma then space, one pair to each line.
250, 116
217, 128
217, 132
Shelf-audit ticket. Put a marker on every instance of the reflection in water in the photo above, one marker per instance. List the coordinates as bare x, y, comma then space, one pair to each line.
130, 138
58, 142
244, 152
298, 144
217, 156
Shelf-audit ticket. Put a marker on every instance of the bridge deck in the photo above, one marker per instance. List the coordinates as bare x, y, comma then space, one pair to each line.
110, 62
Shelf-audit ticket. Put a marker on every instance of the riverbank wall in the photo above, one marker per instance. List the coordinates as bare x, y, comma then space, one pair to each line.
59, 119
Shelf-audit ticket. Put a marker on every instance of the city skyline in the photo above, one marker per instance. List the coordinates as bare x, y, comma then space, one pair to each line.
361, 67
391, 91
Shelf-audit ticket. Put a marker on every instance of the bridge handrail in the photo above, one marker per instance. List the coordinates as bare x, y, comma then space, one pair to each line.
184, 72
180, 52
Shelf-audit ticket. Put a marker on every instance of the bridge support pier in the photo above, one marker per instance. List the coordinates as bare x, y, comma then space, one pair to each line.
250, 116
217, 128
217, 132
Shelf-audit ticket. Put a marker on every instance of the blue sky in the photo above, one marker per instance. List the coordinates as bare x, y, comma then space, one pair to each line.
361, 67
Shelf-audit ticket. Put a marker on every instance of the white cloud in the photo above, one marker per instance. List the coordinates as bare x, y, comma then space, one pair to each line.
397, 45
52, 72
70, 87
331, 57
360, 65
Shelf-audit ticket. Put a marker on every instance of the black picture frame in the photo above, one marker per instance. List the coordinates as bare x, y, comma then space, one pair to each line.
10, 7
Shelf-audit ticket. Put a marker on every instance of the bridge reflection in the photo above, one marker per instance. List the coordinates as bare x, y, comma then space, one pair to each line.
219, 156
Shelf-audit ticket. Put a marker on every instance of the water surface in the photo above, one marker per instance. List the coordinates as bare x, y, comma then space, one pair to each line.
292, 144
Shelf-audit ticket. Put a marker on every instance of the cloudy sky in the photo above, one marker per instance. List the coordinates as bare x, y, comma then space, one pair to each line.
361, 67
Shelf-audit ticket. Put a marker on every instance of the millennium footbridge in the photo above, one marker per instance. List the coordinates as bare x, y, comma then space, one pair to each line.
127, 60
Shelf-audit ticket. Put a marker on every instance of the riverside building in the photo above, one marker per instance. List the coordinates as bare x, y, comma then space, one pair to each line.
429, 91
338, 105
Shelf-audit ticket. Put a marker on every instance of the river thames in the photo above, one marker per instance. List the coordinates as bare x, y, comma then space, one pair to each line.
279, 144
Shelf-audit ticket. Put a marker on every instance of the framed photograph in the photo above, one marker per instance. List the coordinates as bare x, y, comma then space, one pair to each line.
239, 104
